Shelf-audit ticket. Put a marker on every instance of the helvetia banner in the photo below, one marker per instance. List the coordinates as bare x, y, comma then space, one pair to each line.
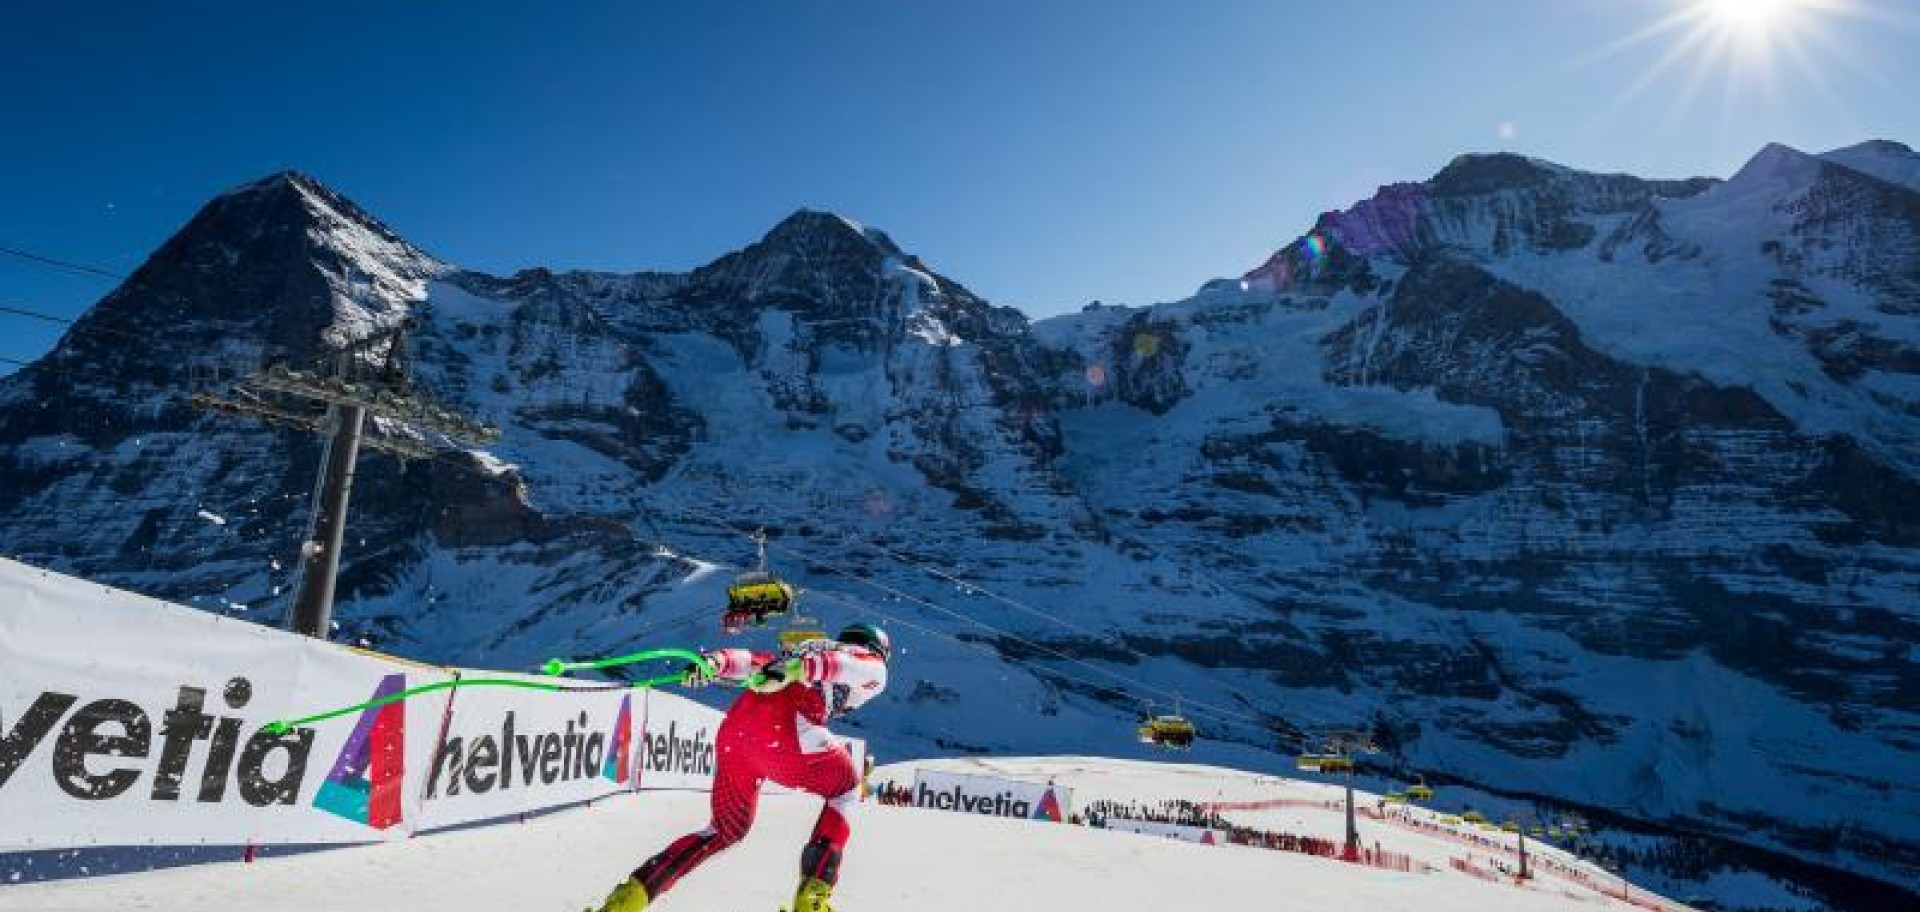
676, 749
129, 721
509, 750
991, 795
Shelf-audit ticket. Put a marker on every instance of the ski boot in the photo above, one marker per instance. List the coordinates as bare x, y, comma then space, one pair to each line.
629, 896
812, 896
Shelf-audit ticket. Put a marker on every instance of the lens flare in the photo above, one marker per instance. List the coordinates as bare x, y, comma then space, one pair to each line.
1315, 248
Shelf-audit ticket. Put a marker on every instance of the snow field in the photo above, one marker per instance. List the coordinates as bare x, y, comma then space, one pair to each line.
1095, 779
899, 858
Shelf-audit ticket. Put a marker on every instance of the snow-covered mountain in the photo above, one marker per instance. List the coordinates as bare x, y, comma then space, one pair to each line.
1583, 487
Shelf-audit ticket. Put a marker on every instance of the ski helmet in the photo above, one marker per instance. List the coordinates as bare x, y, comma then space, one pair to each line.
869, 636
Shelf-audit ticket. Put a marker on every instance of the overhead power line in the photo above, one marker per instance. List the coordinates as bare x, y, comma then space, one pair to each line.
58, 263
319, 362
94, 326
37, 315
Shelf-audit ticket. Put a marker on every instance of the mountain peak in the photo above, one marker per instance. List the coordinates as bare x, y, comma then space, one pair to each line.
808, 226
1777, 162
1893, 162
277, 182
811, 256
1475, 173
1885, 148
295, 195
296, 263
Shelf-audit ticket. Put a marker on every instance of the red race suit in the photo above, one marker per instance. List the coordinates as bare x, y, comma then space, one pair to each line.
780, 736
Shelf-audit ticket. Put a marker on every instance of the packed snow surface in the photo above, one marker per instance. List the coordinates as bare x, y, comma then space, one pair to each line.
899, 858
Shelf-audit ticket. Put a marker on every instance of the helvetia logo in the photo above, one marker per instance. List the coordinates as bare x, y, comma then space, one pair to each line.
1048, 808
471, 763
668, 752
107, 745
619, 763
366, 782
1000, 804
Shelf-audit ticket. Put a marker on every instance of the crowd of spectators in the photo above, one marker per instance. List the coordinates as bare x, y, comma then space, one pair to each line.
1184, 813
1193, 814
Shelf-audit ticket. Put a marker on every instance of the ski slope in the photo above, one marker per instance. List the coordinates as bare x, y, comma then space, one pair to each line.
900, 858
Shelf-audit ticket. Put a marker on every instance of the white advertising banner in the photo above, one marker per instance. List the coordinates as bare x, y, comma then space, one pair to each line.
676, 745
991, 795
126, 721
510, 750
129, 721
1168, 830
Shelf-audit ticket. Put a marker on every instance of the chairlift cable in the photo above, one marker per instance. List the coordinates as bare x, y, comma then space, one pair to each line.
891, 590
1217, 710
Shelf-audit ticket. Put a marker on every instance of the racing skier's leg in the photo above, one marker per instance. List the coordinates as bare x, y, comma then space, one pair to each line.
736, 796
831, 776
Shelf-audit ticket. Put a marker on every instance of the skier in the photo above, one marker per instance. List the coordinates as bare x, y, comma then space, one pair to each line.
777, 730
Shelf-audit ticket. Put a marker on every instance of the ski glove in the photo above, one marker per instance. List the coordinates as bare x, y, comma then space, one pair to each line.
778, 674
699, 674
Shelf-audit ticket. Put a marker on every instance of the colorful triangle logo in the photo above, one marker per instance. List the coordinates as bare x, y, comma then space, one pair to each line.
1048, 808
619, 763
366, 783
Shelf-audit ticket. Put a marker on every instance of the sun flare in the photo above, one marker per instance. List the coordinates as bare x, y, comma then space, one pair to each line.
1750, 15
1752, 48
1757, 25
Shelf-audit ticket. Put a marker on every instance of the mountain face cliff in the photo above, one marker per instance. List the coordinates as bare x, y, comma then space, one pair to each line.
1586, 488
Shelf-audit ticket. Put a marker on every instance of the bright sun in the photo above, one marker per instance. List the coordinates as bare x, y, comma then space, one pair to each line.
1745, 45
1752, 18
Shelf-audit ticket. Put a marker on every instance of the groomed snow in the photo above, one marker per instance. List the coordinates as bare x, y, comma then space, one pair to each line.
900, 858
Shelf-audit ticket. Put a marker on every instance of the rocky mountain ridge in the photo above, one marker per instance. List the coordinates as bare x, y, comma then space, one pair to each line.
1577, 486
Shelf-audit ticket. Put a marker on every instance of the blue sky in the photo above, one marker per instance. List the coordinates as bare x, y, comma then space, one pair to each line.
1044, 152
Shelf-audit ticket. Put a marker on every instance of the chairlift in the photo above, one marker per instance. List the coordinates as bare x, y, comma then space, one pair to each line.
791, 637
1420, 791
1172, 732
756, 595
797, 628
1324, 763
